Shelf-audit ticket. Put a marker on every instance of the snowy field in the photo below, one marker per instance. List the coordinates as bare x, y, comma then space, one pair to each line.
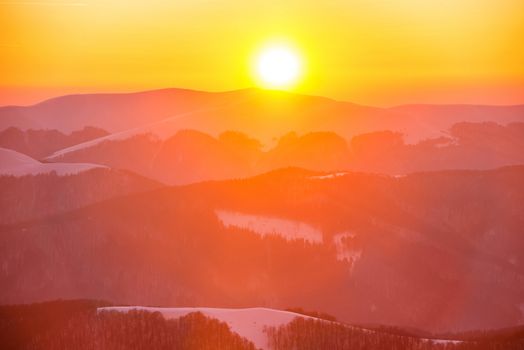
248, 323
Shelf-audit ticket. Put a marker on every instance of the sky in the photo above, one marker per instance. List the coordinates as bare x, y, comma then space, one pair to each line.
375, 52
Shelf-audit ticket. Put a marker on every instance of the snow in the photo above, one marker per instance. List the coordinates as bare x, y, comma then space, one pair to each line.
123, 135
160, 130
328, 176
265, 225
443, 341
17, 164
248, 323
344, 252
10, 158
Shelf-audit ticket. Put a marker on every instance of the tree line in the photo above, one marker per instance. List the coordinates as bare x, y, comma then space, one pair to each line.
311, 334
78, 325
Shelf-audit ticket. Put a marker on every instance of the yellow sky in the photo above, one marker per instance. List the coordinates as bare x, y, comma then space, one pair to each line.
379, 52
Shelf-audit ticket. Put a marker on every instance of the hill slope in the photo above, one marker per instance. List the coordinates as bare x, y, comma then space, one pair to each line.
418, 251
30, 197
14, 163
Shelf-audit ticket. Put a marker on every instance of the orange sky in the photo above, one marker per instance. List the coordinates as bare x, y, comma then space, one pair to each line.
378, 52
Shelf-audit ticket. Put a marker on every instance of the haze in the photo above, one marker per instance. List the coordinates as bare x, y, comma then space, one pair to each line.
372, 52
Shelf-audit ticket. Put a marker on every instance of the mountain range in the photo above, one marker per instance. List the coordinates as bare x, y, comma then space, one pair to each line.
261, 114
405, 217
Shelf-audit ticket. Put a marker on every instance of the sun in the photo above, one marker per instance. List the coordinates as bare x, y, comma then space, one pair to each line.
278, 67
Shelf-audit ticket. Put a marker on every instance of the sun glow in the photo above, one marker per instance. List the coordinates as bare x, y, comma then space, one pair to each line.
278, 67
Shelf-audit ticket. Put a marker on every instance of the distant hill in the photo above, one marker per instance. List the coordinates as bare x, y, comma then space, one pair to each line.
16, 164
191, 156
259, 113
41, 143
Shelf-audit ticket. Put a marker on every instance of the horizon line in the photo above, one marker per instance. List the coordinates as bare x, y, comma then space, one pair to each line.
254, 88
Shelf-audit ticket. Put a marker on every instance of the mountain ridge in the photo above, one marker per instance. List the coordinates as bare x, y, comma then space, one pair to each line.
261, 113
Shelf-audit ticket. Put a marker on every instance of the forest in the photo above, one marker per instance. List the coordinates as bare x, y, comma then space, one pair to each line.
78, 325
311, 334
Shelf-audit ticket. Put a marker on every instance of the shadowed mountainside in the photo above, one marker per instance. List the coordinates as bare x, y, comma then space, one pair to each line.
192, 156
35, 196
426, 250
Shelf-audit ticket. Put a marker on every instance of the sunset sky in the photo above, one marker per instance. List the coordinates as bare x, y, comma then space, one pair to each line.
374, 52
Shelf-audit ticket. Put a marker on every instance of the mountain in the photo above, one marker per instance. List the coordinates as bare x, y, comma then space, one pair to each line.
426, 250
485, 145
41, 143
321, 151
262, 114
447, 114
191, 156
186, 157
30, 197
112, 112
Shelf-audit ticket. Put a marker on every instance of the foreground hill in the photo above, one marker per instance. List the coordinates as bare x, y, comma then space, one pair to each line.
249, 323
426, 250
84, 324
79, 325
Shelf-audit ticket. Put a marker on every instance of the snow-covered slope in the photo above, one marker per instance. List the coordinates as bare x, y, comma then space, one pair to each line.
264, 225
328, 176
248, 323
17, 164
160, 129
